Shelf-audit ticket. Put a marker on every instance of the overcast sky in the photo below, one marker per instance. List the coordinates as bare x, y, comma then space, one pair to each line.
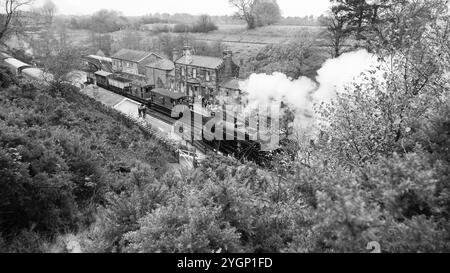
212, 7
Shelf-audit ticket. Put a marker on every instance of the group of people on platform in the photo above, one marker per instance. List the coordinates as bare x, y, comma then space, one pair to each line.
142, 111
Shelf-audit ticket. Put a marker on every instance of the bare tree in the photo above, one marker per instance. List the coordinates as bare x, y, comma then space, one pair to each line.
337, 32
10, 16
62, 64
245, 11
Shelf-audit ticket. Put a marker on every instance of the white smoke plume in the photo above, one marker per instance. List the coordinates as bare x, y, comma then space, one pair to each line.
338, 73
262, 89
301, 94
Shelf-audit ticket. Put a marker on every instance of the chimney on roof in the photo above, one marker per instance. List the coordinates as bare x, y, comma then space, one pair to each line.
187, 52
228, 60
175, 54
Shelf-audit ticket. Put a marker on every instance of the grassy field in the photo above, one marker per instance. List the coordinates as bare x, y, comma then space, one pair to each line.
247, 43
244, 43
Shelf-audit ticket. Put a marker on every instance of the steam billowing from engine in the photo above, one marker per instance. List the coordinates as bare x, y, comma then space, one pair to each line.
301, 94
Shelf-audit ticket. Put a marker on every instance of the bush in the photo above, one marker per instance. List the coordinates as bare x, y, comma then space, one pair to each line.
56, 162
181, 28
204, 25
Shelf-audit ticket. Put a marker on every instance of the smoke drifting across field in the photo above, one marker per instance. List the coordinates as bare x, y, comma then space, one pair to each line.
303, 93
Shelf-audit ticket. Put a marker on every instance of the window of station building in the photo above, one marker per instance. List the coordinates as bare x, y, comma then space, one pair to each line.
194, 73
208, 76
183, 71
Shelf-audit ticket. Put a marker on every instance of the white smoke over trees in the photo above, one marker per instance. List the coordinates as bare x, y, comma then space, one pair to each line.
301, 94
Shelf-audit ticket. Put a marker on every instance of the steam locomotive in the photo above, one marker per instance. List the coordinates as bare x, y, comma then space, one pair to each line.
163, 101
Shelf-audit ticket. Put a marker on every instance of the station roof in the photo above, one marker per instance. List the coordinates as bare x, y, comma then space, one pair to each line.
99, 58
132, 55
168, 93
201, 61
103, 73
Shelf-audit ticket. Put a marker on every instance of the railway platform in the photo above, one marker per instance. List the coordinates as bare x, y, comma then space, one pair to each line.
162, 127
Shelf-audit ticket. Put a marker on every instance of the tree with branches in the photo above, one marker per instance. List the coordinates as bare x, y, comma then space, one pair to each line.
257, 13
245, 11
337, 32
10, 17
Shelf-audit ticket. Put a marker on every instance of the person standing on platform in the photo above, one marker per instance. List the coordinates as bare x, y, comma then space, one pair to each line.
144, 111
140, 111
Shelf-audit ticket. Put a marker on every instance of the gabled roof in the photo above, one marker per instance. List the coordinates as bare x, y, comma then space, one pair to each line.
163, 64
232, 83
132, 55
201, 61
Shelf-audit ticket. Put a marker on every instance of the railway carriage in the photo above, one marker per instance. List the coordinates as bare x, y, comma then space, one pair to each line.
119, 84
16, 66
101, 78
36, 74
165, 100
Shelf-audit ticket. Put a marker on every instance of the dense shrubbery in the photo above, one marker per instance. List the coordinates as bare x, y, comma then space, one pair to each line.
378, 171
297, 57
60, 155
103, 21
203, 25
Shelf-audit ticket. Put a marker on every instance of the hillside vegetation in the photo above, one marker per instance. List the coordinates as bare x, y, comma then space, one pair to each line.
378, 169
68, 165
61, 154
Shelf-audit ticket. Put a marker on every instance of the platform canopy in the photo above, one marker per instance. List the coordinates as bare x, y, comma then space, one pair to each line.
103, 73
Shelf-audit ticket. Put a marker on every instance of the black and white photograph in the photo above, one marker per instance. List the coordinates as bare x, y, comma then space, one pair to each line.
224, 127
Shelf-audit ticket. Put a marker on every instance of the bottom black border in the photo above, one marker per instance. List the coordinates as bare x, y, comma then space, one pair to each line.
235, 263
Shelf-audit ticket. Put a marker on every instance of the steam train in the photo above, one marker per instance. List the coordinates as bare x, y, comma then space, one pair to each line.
163, 101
